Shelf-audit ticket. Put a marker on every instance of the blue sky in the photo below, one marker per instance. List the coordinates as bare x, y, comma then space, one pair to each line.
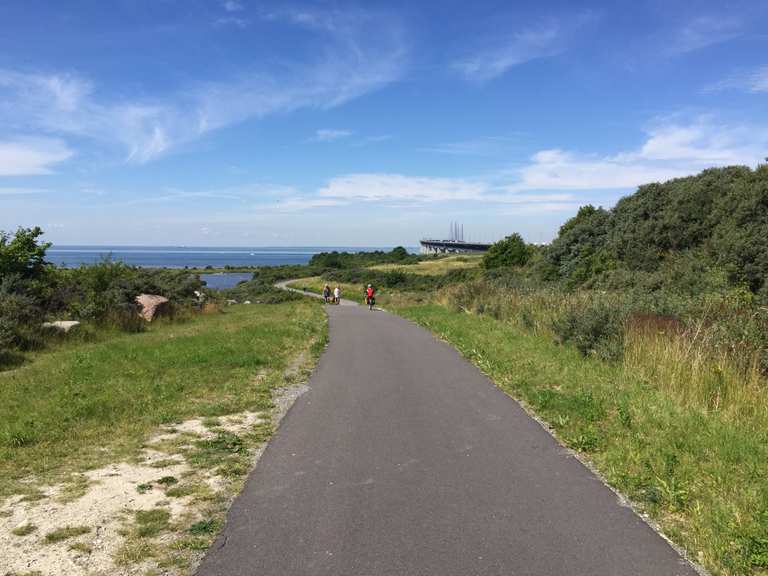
243, 122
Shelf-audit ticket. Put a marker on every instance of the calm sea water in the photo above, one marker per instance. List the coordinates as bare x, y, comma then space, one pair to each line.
222, 280
197, 257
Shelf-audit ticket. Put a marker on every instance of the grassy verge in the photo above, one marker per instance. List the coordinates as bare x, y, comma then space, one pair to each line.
87, 404
700, 473
436, 266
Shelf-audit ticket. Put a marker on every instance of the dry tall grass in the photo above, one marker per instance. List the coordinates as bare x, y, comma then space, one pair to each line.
703, 362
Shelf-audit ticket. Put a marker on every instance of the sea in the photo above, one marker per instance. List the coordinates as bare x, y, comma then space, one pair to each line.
196, 257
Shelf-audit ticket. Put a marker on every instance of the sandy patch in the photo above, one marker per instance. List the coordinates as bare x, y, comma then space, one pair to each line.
113, 495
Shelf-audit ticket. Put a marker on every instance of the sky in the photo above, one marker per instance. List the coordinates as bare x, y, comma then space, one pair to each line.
257, 123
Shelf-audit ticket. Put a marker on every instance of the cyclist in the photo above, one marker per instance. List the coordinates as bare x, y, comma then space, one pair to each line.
370, 296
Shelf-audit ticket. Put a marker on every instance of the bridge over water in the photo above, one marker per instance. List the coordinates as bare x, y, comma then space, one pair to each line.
429, 246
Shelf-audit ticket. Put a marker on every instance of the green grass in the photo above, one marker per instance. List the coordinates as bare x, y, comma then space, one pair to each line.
60, 410
81, 547
209, 526
700, 473
24, 530
150, 523
133, 551
434, 267
144, 488
66, 533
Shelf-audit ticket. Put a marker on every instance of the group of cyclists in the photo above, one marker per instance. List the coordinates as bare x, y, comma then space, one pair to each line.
334, 297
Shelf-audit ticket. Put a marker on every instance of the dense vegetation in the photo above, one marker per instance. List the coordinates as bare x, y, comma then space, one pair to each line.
335, 259
103, 295
33, 291
713, 224
511, 251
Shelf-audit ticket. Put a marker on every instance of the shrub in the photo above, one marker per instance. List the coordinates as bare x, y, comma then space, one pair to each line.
720, 214
511, 251
595, 329
22, 254
339, 260
20, 314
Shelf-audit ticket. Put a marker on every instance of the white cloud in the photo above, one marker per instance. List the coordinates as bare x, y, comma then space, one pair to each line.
545, 40
232, 6
541, 207
31, 156
485, 146
299, 204
241, 23
522, 47
9, 191
755, 81
387, 187
705, 31
410, 190
330, 135
235, 195
670, 151
350, 61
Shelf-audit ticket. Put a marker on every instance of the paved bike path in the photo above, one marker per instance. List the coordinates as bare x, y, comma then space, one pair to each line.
403, 459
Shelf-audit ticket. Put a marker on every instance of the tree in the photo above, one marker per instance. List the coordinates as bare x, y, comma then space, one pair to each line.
22, 254
511, 251
399, 253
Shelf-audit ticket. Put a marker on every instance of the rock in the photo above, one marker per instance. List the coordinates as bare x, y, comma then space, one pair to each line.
151, 305
247, 302
62, 325
231, 302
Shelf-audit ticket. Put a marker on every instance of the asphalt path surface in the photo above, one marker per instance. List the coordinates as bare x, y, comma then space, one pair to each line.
403, 459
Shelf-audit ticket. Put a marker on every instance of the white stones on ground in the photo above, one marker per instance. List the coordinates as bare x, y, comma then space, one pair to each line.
62, 325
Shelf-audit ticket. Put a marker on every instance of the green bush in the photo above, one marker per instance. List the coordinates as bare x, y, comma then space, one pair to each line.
511, 251
21, 316
595, 329
399, 280
720, 216
22, 254
340, 260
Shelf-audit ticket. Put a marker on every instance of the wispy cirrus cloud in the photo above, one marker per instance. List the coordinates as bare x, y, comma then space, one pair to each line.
754, 81
12, 191
330, 135
300, 204
406, 190
241, 23
523, 46
31, 156
704, 31
349, 62
232, 6
484, 146
387, 187
534, 42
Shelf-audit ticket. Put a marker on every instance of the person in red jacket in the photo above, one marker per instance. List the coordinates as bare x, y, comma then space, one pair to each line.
370, 297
